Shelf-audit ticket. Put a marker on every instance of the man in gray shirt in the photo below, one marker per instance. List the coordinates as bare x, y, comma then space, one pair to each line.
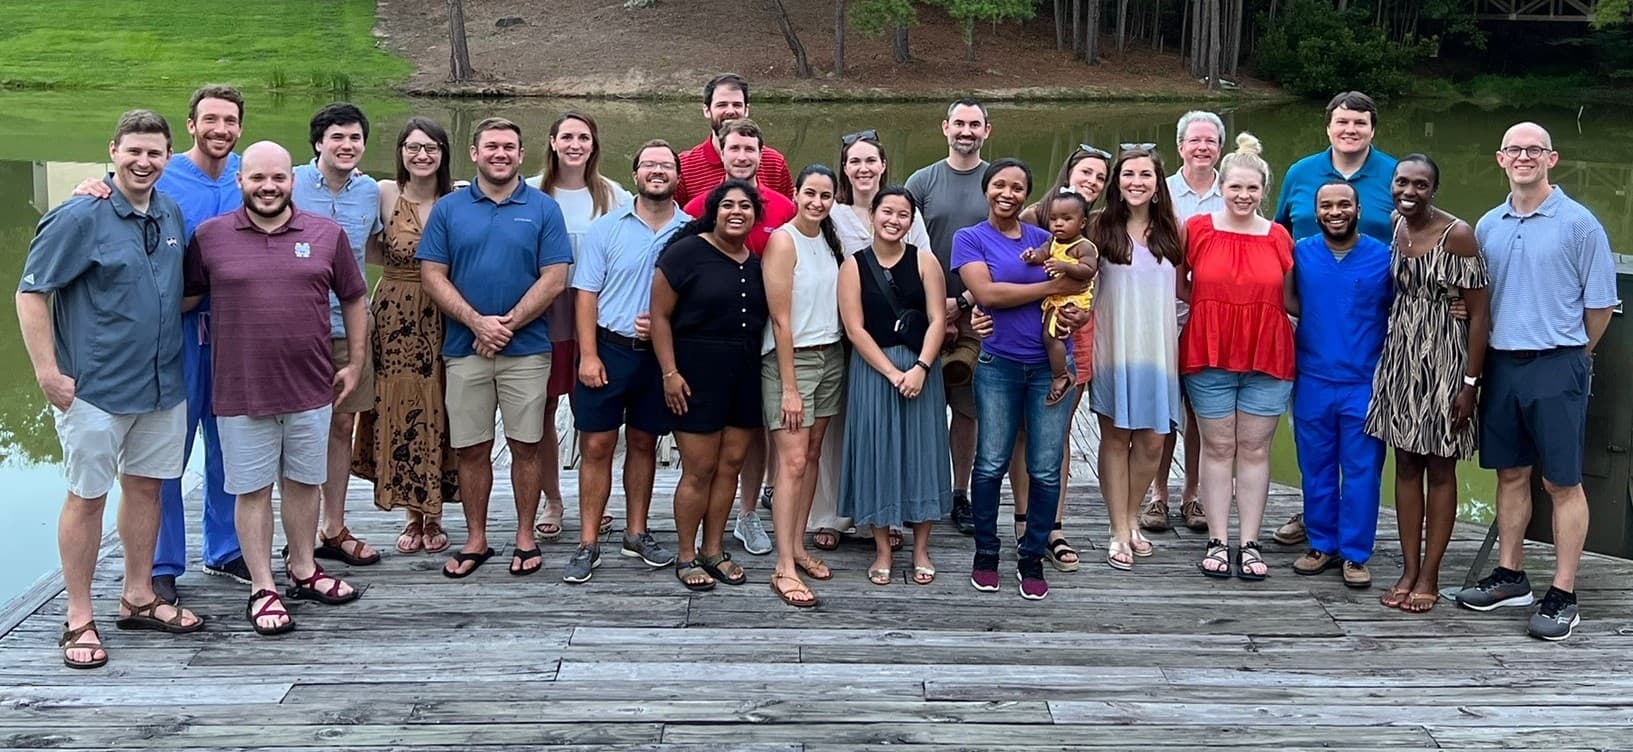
950, 198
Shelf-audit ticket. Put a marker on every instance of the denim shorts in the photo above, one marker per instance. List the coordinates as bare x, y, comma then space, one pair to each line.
1216, 393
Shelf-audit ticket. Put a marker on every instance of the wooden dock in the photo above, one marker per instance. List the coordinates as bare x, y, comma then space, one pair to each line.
1160, 657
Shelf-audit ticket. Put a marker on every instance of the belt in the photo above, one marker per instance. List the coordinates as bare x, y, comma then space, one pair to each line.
616, 338
400, 274
816, 348
1534, 354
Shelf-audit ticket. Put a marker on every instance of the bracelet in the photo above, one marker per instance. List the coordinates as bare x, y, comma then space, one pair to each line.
675, 372
922, 364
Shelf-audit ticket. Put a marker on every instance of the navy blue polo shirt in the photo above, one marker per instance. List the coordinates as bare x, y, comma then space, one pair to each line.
116, 277
495, 252
1295, 209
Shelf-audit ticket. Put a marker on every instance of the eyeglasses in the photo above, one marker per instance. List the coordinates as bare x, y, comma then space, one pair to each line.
863, 135
1138, 147
1101, 153
665, 166
429, 149
1533, 152
150, 235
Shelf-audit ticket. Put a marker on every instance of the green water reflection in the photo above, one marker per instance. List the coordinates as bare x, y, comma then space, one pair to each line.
49, 141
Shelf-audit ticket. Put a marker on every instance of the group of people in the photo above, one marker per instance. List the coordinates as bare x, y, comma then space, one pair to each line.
808, 334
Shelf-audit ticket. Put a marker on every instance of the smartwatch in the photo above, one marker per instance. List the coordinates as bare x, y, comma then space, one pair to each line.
1471, 381
922, 364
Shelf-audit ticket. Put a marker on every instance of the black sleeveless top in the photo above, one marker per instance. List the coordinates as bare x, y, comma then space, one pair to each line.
878, 317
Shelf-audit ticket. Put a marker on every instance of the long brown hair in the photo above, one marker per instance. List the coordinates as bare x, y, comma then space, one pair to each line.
444, 177
843, 193
600, 187
1063, 182
1110, 232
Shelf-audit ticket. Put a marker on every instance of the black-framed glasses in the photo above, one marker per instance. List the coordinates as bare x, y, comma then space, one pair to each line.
1139, 147
862, 135
150, 235
1534, 152
1098, 152
417, 148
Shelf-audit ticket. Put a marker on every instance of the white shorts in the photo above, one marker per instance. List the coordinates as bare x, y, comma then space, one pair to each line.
98, 446
257, 451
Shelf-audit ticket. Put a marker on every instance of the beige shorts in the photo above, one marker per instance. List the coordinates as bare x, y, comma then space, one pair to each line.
98, 447
361, 400
819, 376
516, 387
256, 451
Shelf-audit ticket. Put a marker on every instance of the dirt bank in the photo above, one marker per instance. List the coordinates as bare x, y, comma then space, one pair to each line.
595, 48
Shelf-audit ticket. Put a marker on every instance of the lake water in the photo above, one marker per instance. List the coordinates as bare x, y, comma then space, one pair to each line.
50, 141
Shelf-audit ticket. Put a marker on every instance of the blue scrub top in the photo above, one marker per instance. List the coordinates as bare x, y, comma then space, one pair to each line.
1344, 309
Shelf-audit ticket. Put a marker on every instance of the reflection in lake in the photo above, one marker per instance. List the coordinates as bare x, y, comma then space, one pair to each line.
49, 141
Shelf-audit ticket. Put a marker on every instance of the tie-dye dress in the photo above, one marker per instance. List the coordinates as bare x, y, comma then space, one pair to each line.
1136, 344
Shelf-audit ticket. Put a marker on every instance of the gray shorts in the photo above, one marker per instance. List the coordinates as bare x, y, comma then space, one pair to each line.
98, 446
257, 451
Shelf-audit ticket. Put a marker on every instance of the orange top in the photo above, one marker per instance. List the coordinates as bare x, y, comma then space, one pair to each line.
1238, 315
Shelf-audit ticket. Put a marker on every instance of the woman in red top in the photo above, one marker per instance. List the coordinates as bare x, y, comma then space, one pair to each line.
1236, 355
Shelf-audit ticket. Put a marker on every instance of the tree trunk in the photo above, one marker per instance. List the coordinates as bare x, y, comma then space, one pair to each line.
899, 46
969, 40
1078, 48
1213, 45
839, 38
1156, 25
1236, 23
1060, 25
1091, 31
1122, 24
802, 66
1343, 5
459, 53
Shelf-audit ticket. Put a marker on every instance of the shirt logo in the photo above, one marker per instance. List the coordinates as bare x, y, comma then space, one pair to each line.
524, 219
172, 243
28, 279
303, 250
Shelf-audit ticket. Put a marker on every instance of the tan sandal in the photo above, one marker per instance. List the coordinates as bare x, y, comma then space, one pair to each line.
1420, 603
814, 568
1394, 597
879, 577
788, 596
413, 535
71, 641
432, 531
921, 575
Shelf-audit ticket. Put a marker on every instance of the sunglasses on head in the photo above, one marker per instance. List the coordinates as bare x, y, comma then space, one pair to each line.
1101, 153
863, 135
1138, 147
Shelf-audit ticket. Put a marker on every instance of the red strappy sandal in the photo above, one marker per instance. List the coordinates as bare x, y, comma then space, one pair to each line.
274, 606
308, 589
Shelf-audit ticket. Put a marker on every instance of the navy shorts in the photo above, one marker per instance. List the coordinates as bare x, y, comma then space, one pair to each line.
1534, 412
725, 383
633, 395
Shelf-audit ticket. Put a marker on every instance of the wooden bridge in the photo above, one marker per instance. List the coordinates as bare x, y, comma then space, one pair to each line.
1157, 658
1575, 11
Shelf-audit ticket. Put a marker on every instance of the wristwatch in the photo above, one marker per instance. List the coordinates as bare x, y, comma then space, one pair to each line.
1471, 381
963, 303
922, 364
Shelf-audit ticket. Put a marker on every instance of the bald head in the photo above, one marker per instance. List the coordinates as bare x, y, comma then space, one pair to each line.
1526, 156
266, 178
1530, 132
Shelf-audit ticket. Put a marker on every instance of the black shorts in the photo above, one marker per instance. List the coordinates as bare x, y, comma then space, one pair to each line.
725, 383
633, 395
1534, 412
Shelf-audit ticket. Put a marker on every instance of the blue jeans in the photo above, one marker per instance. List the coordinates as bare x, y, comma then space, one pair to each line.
1010, 395
220, 530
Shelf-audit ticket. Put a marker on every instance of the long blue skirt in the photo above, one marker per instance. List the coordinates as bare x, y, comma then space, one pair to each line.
897, 470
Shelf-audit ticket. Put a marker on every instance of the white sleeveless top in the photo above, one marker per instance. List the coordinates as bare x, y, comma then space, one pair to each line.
814, 318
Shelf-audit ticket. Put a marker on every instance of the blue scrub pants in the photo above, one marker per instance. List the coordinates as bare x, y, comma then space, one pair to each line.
1341, 466
220, 530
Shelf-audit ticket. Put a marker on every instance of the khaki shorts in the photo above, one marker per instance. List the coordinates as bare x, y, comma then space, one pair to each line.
258, 450
819, 376
361, 400
98, 447
478, 386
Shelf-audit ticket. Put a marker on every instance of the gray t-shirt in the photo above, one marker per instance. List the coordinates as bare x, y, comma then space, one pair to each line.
950, 201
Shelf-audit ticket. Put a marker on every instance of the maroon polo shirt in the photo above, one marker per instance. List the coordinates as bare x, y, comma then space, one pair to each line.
701, 170
269, 308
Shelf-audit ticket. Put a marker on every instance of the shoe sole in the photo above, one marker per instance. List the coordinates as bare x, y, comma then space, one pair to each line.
228, 575
628, 554
983, 588
594, 565
1289, 541
1325, 568
1515, 602
1569, 629
1026, 595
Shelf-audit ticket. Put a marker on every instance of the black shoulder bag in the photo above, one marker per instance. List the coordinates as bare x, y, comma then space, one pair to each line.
911, 325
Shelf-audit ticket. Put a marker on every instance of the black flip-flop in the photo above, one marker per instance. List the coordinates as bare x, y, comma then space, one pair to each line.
461, 558
524, 556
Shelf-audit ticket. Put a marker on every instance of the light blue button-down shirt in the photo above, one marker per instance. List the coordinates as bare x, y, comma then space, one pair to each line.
356, 207
616, 261
1547, 268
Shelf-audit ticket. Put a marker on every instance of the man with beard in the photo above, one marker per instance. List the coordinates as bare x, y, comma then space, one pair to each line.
203, 181
950, 198
619, 382
1343, 317
1352, 121
332, 186
702, 167
270, 269
493, 257
99, 303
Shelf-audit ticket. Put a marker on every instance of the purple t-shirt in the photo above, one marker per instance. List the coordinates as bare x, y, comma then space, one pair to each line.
269, 315
1017, 333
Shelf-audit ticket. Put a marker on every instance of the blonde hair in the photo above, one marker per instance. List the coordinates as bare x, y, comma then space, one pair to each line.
1246, 157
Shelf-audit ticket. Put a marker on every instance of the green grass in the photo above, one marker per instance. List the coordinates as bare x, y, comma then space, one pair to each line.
109, 44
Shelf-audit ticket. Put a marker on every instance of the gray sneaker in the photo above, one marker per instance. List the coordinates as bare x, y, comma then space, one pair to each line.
1554, 618
752, 534
647, 549
582, 566
1499, 589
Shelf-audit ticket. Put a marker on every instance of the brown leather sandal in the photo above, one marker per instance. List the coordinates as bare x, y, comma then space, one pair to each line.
335, 549
71, 641
791, 595
147, 617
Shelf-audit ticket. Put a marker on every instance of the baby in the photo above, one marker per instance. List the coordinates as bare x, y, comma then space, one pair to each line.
1071, 254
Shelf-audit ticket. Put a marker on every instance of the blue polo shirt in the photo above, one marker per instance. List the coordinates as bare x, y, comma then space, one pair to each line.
1343, 309
116, 279
1547, 268
355, 207
616, 259
494, 253
1295, 209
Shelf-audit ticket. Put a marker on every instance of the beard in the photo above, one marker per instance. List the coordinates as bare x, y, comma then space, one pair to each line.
277, 208
1346, 236
663, 194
